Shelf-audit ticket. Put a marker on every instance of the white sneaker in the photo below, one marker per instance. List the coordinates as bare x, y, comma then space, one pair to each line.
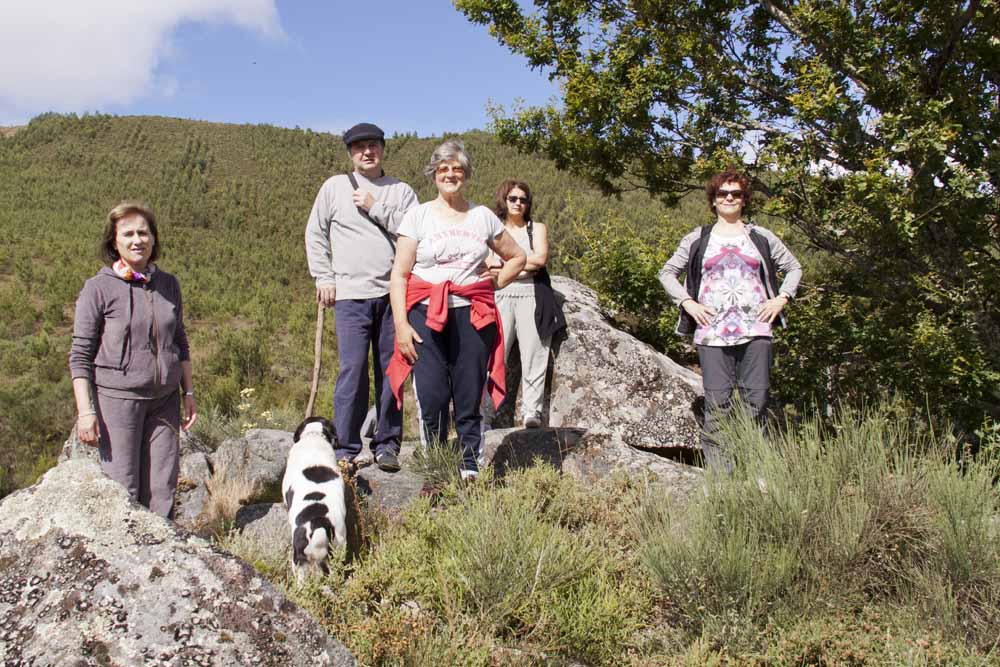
469, 475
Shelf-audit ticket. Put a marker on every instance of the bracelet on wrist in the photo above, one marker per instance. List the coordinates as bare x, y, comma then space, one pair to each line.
189, 393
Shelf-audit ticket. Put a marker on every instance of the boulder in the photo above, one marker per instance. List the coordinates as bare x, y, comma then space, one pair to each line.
192, 493
390, 491
89, 577
584, 455
606, 381
260, 456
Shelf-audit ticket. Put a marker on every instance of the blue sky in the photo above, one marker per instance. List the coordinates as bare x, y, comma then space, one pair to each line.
408, 66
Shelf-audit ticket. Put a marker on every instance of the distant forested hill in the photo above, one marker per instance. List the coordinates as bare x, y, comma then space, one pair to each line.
231, 201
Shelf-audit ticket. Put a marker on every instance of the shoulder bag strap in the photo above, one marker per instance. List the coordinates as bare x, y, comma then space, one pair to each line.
364, 214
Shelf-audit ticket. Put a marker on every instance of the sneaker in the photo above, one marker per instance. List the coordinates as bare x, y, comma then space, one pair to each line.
388, 462
534, 421
469, 475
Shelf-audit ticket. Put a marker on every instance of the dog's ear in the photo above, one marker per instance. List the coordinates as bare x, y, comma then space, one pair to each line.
330, 433
300, 540
298, 431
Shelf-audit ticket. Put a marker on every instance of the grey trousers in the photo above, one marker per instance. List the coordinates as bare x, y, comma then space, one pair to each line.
517, 314
746, 367
140, 447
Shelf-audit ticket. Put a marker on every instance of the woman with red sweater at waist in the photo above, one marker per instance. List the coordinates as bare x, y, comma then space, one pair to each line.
447, 328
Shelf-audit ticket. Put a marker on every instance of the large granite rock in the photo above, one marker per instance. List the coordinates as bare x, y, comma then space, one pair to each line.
606, 381
192, 491
584, 455
89, 578
259, 456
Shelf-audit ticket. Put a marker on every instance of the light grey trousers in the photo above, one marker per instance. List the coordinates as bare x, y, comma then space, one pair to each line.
746, 367
140, 447
517, 314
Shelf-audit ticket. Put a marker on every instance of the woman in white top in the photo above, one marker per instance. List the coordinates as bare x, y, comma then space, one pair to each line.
516, 302
444, 311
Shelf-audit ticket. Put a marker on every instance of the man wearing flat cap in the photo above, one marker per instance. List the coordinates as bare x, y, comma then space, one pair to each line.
350, 245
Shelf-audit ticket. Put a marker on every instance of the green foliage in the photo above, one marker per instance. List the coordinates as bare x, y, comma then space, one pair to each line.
534, 568
871, 127
869, 509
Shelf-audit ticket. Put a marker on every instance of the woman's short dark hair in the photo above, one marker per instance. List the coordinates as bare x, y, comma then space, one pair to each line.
729, 175
501, 198
109, 246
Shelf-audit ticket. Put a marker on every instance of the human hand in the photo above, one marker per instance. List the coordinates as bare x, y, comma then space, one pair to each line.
405, 338
702, 314
190, 413
326, 295
86, 430
363, 199
771, 308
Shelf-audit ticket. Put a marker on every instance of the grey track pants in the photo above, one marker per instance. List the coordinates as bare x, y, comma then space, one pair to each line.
140, 447
517, 313
746, 367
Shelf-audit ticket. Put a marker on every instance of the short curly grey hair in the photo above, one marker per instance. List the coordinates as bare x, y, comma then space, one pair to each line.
452, 149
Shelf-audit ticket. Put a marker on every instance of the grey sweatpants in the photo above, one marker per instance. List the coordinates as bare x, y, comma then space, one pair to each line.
517, 314
746, 367
140, 447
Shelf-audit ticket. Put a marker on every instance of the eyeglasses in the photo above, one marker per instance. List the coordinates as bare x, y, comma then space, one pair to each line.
514, 199
725, 194
445, 169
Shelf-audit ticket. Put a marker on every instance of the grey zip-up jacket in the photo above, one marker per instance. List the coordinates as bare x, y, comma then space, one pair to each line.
687, 259
128, 337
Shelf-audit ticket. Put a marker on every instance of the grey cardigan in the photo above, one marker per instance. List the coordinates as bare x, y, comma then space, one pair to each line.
691, 250
128, 337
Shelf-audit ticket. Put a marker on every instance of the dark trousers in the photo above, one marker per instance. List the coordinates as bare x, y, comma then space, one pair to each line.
140, 447
746, 367
364, 324
451, 369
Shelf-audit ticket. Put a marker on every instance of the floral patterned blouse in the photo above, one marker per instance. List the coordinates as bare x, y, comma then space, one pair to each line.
732, 287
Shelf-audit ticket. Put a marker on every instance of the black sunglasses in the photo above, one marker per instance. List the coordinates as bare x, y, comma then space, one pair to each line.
722, 194
514, 199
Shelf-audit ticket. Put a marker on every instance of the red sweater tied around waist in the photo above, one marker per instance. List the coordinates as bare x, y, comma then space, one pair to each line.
483, 312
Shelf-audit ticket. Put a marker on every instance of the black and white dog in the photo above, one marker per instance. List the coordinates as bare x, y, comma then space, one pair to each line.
314, 496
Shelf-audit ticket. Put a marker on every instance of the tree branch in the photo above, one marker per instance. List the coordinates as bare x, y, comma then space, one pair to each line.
782, 17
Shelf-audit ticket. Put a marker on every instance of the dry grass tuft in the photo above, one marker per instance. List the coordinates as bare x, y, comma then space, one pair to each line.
227, 492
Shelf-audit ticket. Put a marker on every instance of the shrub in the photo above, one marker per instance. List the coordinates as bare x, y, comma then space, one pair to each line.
868, 508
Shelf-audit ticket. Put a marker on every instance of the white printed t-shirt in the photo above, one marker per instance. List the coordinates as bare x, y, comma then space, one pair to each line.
448, 250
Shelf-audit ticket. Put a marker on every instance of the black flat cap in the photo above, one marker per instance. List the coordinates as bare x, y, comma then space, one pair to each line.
363, 131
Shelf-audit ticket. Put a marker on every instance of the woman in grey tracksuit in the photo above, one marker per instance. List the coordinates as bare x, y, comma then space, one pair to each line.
730, 302
130, 361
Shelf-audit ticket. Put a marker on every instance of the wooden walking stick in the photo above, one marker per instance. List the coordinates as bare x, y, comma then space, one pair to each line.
317, 358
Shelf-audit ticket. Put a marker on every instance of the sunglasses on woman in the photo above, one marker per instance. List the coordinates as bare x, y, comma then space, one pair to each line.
514, 199
725, 194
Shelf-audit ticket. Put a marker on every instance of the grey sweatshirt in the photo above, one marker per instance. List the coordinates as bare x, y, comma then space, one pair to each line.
347, 250
128, 337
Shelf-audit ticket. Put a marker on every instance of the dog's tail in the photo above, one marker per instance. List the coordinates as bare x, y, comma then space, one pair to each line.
319, 544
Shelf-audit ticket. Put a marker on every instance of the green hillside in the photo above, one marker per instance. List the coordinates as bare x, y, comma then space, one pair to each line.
232, 201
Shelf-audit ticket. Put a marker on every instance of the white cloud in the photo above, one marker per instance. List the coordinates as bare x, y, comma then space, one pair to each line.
74, 55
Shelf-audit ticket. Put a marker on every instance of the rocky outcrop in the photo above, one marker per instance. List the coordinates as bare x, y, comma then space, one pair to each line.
259, 456
605, 381
88, 577
586, 456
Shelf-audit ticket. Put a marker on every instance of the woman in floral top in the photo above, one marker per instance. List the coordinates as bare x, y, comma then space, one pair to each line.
730, 302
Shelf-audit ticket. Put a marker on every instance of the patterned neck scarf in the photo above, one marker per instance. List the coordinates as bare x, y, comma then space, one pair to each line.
125, 272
